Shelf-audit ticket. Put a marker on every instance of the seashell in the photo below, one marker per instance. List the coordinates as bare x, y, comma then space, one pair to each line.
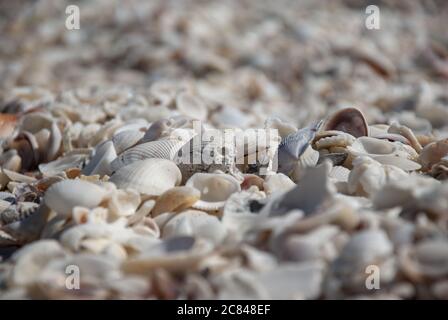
349, 120
368, 176
385, 152
215, 189
11, 160
173, 254
126, 139
31, 260
369, 247
432, 153
71, 160
293, 146
330, 139
123, 203
440, 170
427, 260
277, 183
63, 196
230, 117
164, 128
151, 176
252, 180
160, 149
339, 173
284, 128
175, 200
8, 123
17, 177
100, 163
404, 131
27, 148
12, 213
311, 191
191, 106
196, 224
293, 280
309, 158
54, 143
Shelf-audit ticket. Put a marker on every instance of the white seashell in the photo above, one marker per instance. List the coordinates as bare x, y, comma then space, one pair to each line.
191, 106
17, 177
151, 176
100, 163
215, 189
277, 183
160, 149
284, 128
329, 139
195, 224
339, 173
126, 139
63, 196
123, 203
385, 152
72, 160
293, 280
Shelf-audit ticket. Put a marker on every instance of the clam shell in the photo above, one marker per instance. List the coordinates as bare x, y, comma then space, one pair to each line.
160, 149
196, 224
151, 176
100, 163
176, 199
126, 139
63, 196
215, 189
349, 120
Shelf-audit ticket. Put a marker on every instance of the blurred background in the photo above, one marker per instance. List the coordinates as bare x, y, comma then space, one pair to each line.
288, 58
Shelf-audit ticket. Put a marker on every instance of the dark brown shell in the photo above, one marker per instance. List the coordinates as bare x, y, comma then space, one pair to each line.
349, 120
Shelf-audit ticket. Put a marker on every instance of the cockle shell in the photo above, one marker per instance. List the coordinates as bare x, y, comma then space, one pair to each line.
349, 120
63, 196
126, 139
195, 224
162, 149
176, 199
151, 176
215, 189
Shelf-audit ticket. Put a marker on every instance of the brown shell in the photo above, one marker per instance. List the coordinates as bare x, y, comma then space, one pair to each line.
349, 120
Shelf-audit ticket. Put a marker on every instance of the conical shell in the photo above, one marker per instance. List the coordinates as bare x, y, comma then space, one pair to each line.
151, 176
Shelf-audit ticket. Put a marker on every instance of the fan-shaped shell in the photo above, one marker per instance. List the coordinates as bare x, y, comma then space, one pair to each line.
126, 139
151, 176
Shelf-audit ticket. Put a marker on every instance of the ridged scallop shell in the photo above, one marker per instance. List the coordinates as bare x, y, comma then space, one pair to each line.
215, 189
195, 224
151, 176
349, 120
160, 149
63, 196
126, 139
176, 199
101, 161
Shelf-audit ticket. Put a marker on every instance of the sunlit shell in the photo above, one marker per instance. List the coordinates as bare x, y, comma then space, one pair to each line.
215, 189
151, 176
63, 196
175, 200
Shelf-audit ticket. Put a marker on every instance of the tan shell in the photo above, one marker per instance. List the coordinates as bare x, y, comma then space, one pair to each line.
329, 139
433, 153
215, 189
151, 176
349, 120
63, 196
176, 199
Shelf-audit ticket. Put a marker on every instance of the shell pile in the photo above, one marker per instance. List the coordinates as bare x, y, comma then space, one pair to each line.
90, 176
